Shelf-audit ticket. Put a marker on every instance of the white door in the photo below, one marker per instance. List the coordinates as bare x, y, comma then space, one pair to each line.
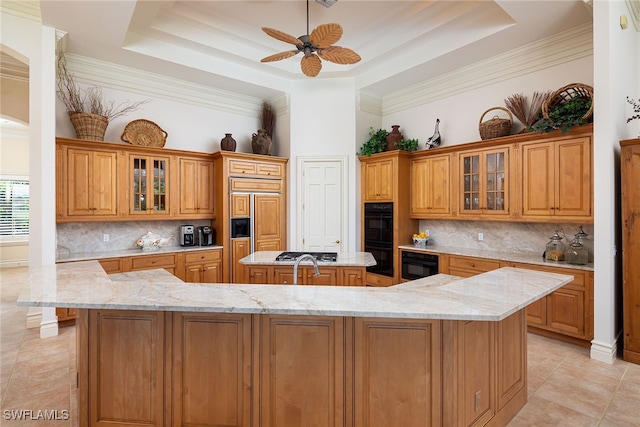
323, 207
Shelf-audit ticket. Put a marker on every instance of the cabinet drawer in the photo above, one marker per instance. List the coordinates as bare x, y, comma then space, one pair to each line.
203, 256
473, 263
377, 280
266, 185
155, 261
111, 265
242, 167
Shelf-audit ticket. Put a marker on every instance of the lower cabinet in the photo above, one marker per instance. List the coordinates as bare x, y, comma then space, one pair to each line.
464, 266
203, 266
283, 275
219, 369
148, 262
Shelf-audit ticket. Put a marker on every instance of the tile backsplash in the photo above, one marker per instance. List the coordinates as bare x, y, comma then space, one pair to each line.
501, 236
80, 237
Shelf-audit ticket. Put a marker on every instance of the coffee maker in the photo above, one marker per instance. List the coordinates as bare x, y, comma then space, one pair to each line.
206, 236
187, 235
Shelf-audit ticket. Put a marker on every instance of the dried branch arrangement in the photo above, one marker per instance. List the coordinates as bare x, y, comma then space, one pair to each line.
524, 111
268, 118
91, 100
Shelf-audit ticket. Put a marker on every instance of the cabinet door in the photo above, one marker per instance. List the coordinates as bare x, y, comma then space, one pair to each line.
257, 275
379, 180
484, 180
302, 371
268, 220
284, 275
240, 248
565, 311
430, 187
328, 276
149, 182
352, 276
196, 186
573, 177
538, 194
214, 387
126, 364
212, 272
240, 205
537, 312
91, 183
193, 273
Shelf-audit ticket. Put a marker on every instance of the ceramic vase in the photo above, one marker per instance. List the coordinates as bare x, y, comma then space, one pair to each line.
228, 143
393, 137
261, 143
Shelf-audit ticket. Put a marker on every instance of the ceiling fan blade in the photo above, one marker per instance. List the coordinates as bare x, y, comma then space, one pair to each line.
339, 55
326, 34
279, 56
282, 36
311, 65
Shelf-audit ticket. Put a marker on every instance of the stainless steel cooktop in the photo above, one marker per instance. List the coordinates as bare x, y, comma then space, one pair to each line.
320, 256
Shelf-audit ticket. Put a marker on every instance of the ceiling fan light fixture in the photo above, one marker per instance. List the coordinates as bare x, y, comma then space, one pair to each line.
320, 41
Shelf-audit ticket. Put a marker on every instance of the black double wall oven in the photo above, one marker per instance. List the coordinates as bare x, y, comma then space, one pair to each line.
378, 236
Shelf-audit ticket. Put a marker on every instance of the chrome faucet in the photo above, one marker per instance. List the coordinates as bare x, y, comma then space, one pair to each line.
297, 263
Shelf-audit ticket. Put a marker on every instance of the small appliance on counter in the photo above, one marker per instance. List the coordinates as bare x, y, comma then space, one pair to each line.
206, 236
187, 235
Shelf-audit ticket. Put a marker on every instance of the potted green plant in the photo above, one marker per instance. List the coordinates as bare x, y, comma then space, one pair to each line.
564, 116
407, 144
376, 143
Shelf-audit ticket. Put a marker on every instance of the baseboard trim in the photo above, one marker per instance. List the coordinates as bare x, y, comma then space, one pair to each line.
604, 352
49, 329
34, 320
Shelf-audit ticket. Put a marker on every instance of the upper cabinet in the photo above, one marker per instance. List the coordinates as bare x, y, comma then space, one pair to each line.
148, 179
484, 182
86, 184
431, 186
378, 180
557, 179
103, 181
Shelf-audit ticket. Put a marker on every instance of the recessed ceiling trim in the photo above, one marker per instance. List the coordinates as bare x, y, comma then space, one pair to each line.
106, 74
561, 48
634, 11
23, 9
370, 103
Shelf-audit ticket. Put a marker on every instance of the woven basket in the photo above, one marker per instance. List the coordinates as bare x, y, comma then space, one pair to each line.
89, 126
145, 133
566, 94
495, 127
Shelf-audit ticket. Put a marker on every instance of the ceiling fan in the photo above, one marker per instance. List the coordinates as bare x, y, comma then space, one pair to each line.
318, 44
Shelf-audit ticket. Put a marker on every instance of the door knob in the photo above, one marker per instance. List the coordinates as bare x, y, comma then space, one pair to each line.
338, 241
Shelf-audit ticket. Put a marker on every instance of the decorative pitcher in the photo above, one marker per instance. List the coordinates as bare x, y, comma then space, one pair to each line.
261, 143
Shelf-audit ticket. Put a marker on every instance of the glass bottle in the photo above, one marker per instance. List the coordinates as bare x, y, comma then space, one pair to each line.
555, 248
576, 253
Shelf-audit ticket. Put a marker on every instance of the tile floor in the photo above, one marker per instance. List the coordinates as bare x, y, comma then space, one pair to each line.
566, 388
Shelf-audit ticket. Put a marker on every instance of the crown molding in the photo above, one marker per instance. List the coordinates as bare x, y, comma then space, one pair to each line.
280, 104
552, 51
106, 74
634, 11
369, 103
26, 9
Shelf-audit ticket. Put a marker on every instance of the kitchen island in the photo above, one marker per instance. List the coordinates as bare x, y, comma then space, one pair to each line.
437, 351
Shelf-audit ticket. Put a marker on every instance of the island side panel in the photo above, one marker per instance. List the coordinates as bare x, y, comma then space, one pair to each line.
397, 372
211, 369
302, 371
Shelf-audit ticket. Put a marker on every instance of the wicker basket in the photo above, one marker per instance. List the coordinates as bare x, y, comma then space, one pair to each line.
89, 126
145, 133
495, 127
566, 94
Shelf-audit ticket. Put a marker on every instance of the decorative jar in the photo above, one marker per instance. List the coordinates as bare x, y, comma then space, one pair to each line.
555, 248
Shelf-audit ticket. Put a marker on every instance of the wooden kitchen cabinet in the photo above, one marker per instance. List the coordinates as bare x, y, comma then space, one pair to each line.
258, 275
378, 180
148, 262
196, 187
86, 184
484, 183
267, 225
557, 180
203, 266
630, 212
353, 276
306, 275
240, 248
431, 186
148, 180
464, 266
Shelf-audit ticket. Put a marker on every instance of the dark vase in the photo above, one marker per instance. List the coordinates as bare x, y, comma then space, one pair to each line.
228, 143
393, 137
261, 143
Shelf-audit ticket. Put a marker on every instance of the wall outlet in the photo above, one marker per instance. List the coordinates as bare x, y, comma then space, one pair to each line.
480, 237
105, 237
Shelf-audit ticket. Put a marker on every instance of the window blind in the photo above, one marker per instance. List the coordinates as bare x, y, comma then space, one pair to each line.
14, 208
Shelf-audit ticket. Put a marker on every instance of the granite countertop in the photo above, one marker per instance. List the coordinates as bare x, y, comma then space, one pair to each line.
344, 259
489, 296
523, 257
86, 256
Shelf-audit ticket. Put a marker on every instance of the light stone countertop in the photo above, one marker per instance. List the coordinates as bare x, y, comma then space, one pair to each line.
86, 256
344, 259
523, 257
489, 296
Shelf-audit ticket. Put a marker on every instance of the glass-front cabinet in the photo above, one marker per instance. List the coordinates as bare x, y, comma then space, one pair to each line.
484, 182
149, 182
